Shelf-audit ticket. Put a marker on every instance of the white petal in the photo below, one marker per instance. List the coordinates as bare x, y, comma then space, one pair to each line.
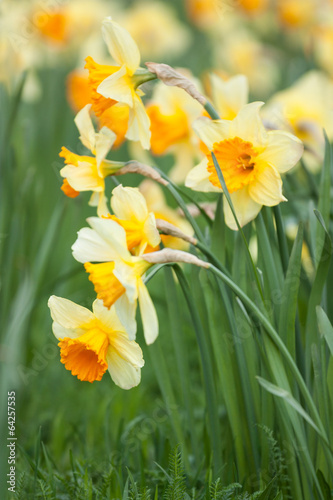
117, 87
198, 179
267, 188
210, 131
127, 277
129, 204
139, 124
91, 247
122, 373
248, 125
151, 232
245, 207
148, 314
283, 150
104, 142
84, 177
129, 350
68, 314
231, 95
113, 234
121, 45
126, 313
86, 128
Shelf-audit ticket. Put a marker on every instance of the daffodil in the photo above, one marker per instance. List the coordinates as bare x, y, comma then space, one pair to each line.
87, 173
131, 212
93, 342
305, 109
253, 6
229, 95
112, 84
157, 204
251, 160
171, 112
117, 277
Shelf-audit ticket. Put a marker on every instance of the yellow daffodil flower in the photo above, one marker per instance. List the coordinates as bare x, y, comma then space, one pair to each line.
131, 212
157, 204
305, 109
118, 276
253, 6
119, 83
251, 160
171, 112
297, 13
87, 173
93, 342
229, 95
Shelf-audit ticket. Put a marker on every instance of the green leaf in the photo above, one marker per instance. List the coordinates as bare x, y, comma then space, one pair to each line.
324, 204
325, 488
325, 327
266, 494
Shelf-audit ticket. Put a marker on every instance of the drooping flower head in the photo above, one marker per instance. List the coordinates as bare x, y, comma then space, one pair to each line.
117, 276
118, 84
251, 160
87, 173
93, 342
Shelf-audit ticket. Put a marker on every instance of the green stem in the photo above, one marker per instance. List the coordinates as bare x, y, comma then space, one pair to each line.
207, 372
283, 245
211, 111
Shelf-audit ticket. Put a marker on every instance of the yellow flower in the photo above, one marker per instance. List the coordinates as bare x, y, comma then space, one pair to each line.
253, 6
119, 83
130, 211
156, 203
305, 109
87, 173
229, 95
297, 13
204, 13
93, 342
251, 160
118, 277
171, 112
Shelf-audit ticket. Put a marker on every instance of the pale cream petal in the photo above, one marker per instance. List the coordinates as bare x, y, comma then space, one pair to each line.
151, 232
86, 128
198, 179
127, 277
117, 87
185, 155
102, 207
108, 317
122, 373
212, 131
113, 234
84, 177
139, 124
104, 142
283, 150
91, 247
248, 125
67, 314
129, 350
121, 45
267, 188
126, 313
148, 313
229, 96
128, 203
245, 207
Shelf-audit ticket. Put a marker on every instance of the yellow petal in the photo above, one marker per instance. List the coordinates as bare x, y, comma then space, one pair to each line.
124, 374
229, 96
121, 45
283, 150
152, 235
104, 141
266, 189
138, 124
210, 131
86, 128
198, 179
84, 177
69, 315
248, 125
129, 204
118, 87
148, 314
245, 207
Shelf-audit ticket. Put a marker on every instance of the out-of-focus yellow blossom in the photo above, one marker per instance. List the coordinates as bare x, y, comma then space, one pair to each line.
305, 109
93, 342
119, 83
117, 277
230, 95
204, 13
156, 203
171, 112
297, 13
322, 38
240, 52
131, 212
156, 29
78, 89
251, 160
87, 173
253, 6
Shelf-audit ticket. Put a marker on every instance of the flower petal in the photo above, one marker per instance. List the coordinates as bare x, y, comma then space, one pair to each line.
139, 124
129, 204
148, 313
117, 87
126, 313
107, 316
211, 131
68, 314
151, 232
122, 372
198, 179
283, 150
91, 247
84, 177
266, 189
229, 96
245, 207
121, 45
113, 234
104, 142
86, 128
248, 125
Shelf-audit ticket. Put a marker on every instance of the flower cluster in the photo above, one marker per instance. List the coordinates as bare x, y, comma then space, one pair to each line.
138, 229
